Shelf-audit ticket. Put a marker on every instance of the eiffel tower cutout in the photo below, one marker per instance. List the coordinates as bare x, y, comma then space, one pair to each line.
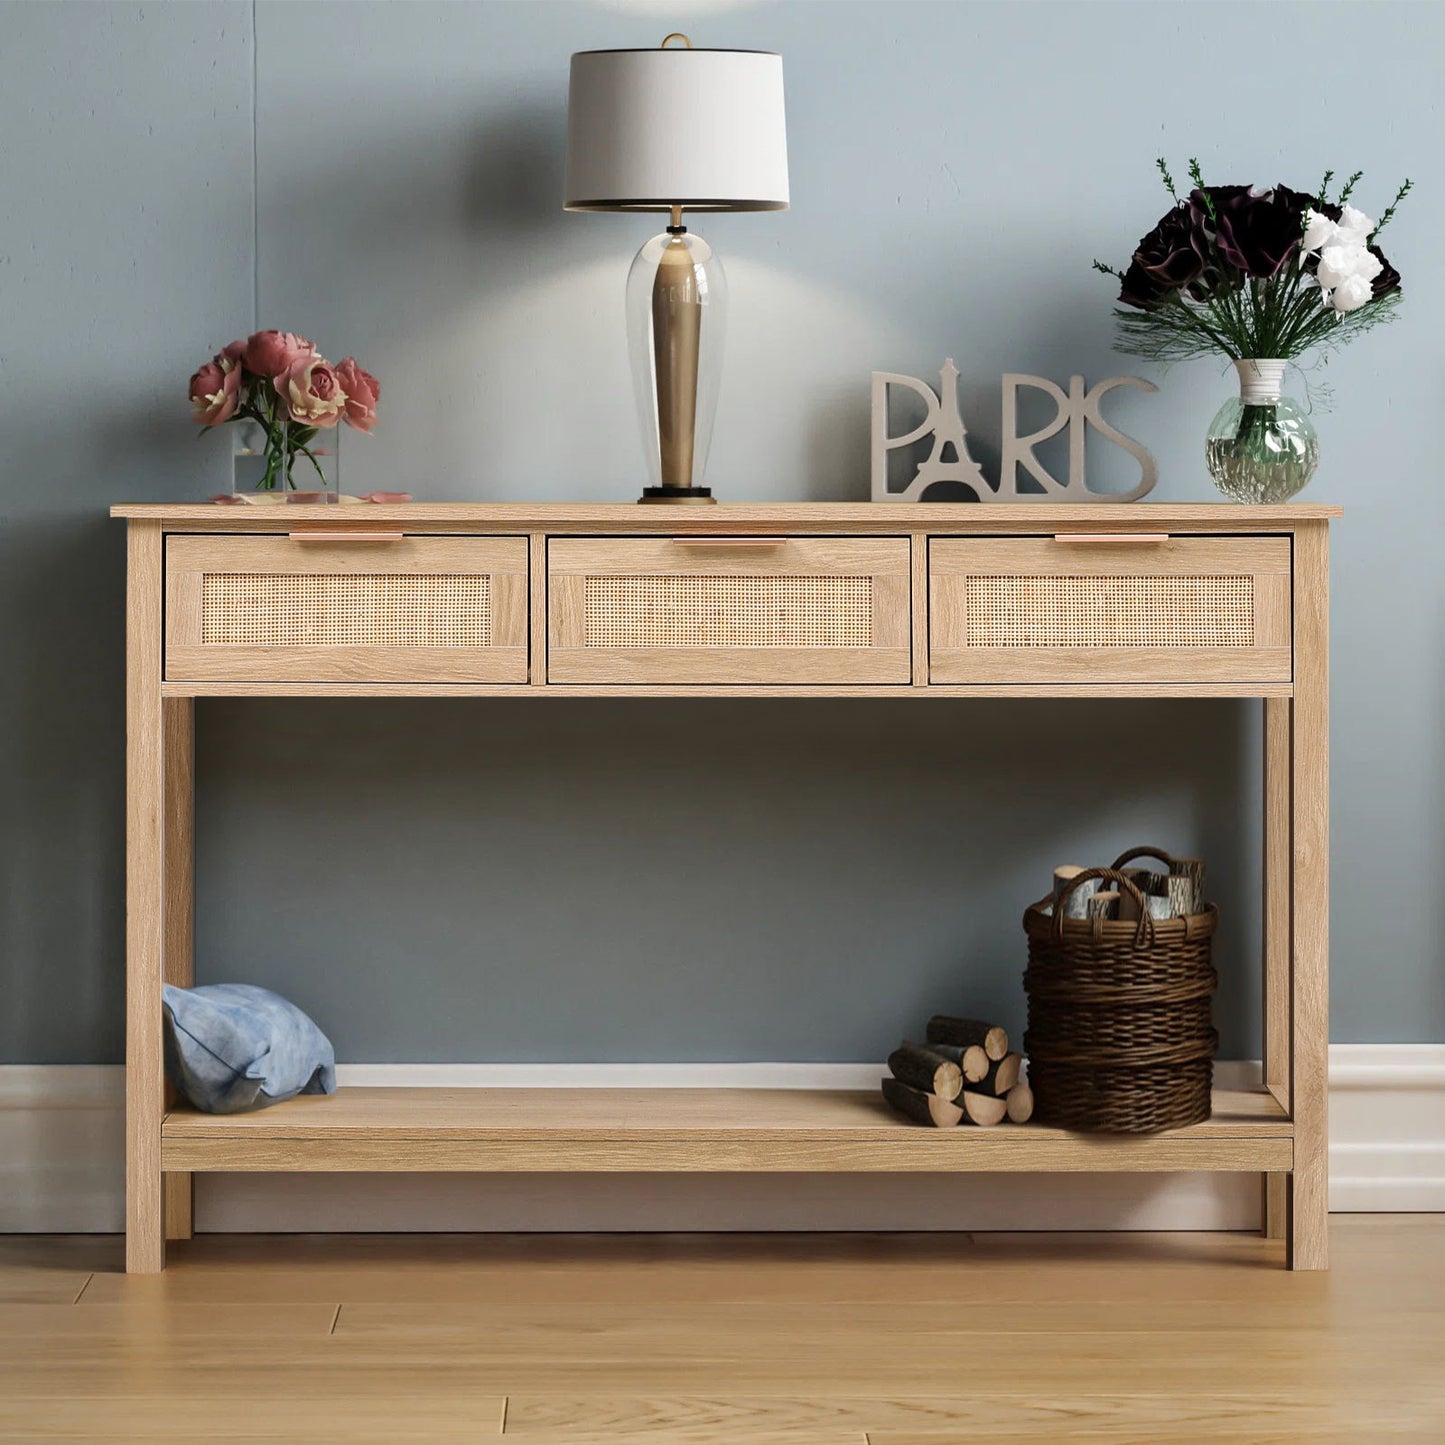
950, 434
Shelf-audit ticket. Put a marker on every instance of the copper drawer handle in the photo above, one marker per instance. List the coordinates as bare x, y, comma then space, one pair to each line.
1143, 539
729, 541
347, 536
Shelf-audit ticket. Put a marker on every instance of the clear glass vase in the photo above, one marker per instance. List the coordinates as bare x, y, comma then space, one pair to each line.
1261, 445
287, 464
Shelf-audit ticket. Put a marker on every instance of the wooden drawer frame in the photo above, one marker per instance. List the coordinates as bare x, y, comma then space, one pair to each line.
1264, 561
501, 559
885, 561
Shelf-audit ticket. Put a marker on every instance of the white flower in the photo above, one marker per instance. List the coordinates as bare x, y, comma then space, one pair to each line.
1319, 230
1354, 227
1351, 294
1338, 263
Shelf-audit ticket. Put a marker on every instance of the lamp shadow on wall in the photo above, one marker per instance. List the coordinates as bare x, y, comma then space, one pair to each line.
512, 185
404, 221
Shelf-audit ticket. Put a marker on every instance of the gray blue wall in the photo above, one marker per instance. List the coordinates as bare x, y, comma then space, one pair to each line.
531, 881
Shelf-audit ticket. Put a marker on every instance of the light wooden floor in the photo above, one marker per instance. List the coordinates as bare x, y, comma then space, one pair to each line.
816, 1340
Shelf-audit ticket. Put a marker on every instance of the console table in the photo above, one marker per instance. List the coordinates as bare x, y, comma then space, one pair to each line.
842, 601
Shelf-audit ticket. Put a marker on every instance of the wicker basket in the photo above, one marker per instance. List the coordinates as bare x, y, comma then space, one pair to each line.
1120, 1037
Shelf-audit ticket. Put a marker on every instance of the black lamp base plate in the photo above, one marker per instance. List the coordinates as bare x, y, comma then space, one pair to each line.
676, 495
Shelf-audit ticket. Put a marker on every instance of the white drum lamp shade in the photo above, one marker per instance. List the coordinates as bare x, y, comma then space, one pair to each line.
648, 130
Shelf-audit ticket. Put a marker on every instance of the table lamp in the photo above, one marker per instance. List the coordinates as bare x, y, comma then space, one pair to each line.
673, 130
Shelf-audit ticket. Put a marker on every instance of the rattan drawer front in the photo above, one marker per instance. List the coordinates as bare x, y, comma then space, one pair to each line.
1172, 609
811, 611
412, 609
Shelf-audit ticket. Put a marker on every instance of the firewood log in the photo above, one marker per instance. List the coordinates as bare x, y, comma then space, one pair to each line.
929, 1072
1020, 1104
1076, 905
1002, 1075
973, 1062
920, 1107
985, 1110
1154, 887
1147, 881
1064, 874
1104, 904
1193, 870
1181, 895
945, 1029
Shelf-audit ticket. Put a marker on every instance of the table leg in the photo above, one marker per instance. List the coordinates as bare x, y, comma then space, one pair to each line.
178, 715
1275, 950
145, 902
1308, 1229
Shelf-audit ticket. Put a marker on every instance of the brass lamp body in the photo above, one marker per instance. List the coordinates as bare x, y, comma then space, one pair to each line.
676, 335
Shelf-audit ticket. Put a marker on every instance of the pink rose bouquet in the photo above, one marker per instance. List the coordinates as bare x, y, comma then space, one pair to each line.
280, 381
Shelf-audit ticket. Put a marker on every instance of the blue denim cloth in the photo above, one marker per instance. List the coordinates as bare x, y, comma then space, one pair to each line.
233, 1046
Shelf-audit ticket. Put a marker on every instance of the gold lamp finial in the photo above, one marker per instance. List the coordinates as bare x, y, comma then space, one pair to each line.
676, 35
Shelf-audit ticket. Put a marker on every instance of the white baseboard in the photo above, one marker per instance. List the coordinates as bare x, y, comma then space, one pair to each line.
62, 1167
62, 1148
1387, 1127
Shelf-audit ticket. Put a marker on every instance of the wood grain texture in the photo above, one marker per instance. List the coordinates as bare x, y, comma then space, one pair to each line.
161, 1318
683, 1340
918, 569
879, 556
178, 722
580, 1435
804, 669
956, 656
1051, 557
230, 662
1308, 1236
574, 658
145, 900
503, 560
1208, 1278
757, 517
959, 1419
1123, 668
654, 1130
537, 610
1062, 688
1275, 940
426, 1409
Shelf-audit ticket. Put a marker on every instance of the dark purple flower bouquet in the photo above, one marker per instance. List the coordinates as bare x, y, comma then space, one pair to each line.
1251, 273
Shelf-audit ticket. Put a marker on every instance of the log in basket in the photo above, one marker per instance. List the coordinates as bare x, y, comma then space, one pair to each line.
1120, 1038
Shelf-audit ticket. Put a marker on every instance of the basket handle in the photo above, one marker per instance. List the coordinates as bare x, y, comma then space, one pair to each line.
1143, 935
1133, 853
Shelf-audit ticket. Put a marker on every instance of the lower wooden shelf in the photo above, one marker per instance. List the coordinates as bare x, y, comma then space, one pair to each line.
688, 1131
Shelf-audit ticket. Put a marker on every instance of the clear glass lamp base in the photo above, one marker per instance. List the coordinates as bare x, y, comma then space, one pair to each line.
676, 316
